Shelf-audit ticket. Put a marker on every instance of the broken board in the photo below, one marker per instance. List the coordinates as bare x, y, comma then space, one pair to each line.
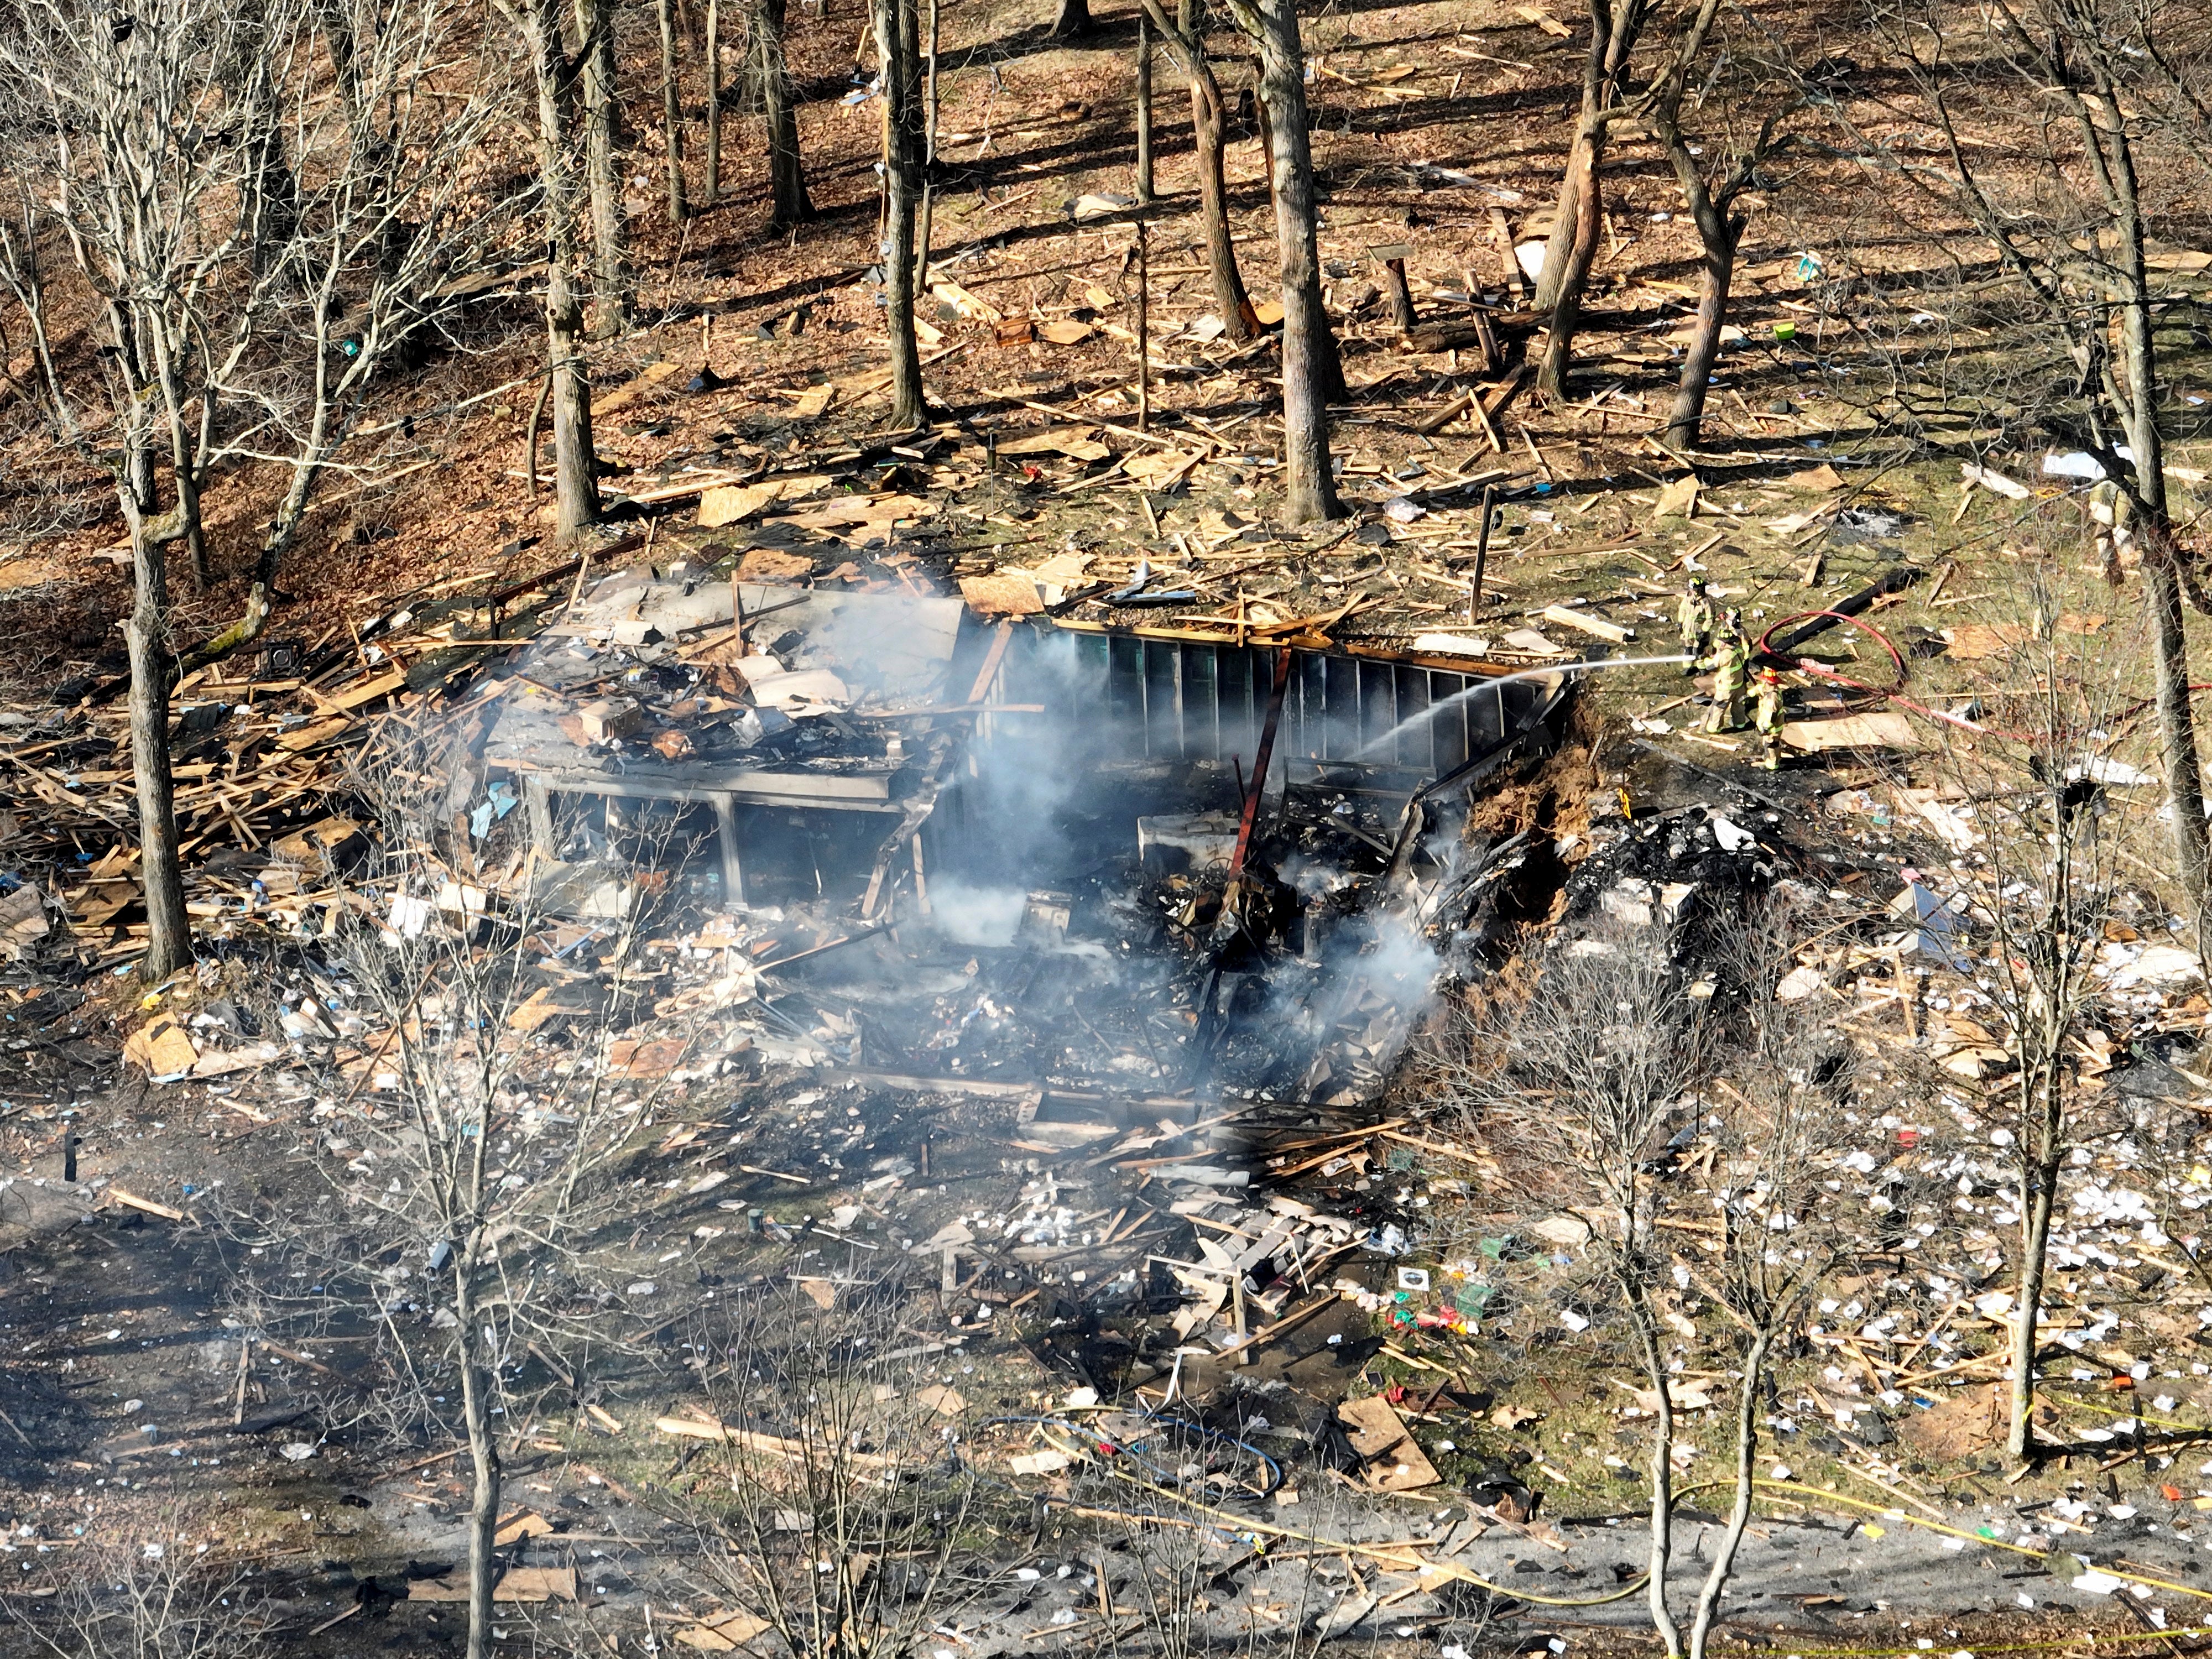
515, 1584
1377, 1433
1884, 729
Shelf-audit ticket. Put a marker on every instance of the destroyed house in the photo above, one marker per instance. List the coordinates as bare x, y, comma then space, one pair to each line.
814, 742
1104, 851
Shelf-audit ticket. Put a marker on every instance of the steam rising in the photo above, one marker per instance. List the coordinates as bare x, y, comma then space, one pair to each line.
970, 915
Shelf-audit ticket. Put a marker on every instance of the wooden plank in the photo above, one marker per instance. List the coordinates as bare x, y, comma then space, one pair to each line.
369, 691
1882, 729
688, 488
1583, 622
309, 736
123, 1195
863, 792
1378, 1434
1475, 667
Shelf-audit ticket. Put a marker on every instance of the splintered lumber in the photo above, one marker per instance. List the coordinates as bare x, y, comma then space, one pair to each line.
685, 488
1455, 662
366, 691
309, 736
1444, 416
123, 1195
1584, 623
1483, 406
1268, 1333
1458, 333
1884, 728
695, 1428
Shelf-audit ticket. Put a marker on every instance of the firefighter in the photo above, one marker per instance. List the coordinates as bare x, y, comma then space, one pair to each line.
1731, 663
1695, 614
1766, 717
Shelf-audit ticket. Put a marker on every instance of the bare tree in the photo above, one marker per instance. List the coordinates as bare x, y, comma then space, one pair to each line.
385, 224
150, 1598
1773, 1133
832, 1457
151, 159
713, 180
141, 137
485, 1141
1739, 86
2092, 84
1185, 39
1714, 176
1143, 100
672, 107
1615, 27
1603, 1087
2037, 875
1578, 1091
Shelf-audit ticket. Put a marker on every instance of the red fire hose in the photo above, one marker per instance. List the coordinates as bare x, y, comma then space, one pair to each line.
1892, 692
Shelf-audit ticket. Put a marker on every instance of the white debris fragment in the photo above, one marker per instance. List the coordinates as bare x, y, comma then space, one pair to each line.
1731, 837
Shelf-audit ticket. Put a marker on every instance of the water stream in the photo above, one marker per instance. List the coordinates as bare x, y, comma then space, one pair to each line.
1478, 686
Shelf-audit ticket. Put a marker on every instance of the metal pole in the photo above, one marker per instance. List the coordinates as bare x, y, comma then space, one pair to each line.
1144, 108
1260, 761
1144, 331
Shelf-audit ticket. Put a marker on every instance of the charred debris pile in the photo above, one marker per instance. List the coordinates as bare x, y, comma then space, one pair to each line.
877, 830
907, 840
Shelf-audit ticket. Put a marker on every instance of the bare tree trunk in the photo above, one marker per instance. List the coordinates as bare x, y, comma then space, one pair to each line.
1311, 371
1208, 121
168, 931
576, 484
1567, 308
576, 488
2112, 150
1747, 1452
1572, 250
1686, 420
898, 50
139, 471
713, 183
1144, 108
484, 1455
184, 463
184, 454
928, 160
2044, 1121
613, 285
274, 186
2177, 727
790, 204
672, 108
306, 468
1567, 216
1661, 1468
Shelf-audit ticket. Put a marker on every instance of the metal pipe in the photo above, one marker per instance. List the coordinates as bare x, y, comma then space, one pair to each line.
1260, 763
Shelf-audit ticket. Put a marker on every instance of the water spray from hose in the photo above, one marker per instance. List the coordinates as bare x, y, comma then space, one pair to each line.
1478, 686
